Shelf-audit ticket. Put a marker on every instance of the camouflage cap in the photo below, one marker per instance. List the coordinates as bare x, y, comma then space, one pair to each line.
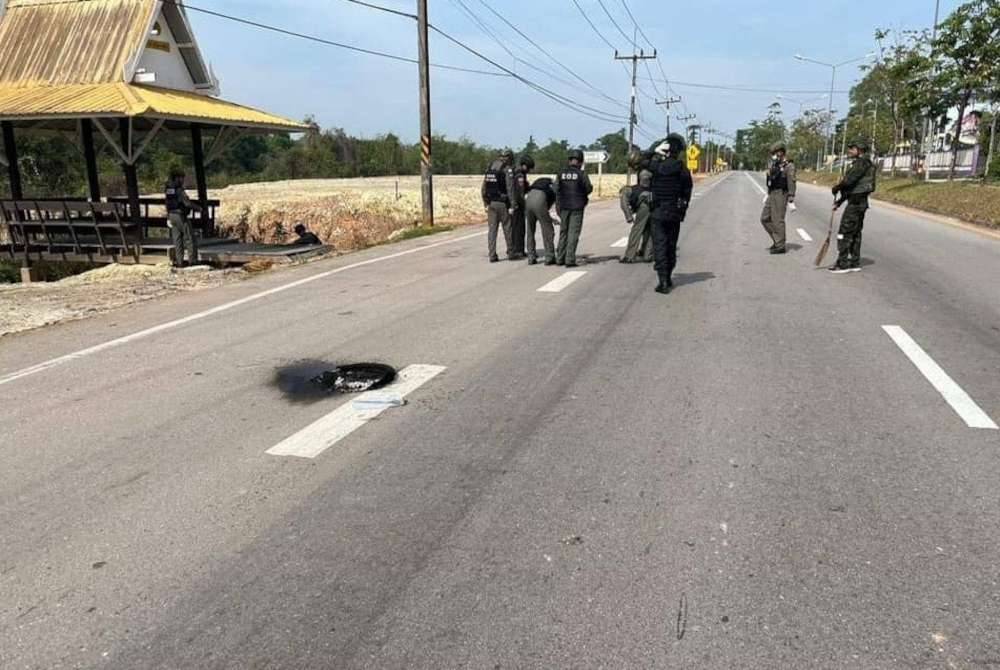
777, 146
859, 144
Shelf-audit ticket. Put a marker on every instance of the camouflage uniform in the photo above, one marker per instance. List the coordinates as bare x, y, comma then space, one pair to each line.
781, 184
636, 203
854, 188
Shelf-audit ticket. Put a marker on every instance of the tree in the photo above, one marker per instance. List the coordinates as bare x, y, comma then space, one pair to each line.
967, 55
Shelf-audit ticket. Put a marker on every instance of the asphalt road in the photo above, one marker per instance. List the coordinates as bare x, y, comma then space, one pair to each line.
748, 473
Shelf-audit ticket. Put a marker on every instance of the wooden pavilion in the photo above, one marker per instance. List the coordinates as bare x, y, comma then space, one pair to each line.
118, 73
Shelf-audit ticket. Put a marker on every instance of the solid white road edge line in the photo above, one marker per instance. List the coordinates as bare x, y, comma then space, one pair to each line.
804, 235
756, 185
322, 434
562, 281
959, 400
620, 244
117, 342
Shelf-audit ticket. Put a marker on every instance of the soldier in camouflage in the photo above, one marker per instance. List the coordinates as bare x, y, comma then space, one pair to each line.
636, 203
854, 188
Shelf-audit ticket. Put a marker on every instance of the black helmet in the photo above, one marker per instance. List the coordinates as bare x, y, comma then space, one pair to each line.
671, 145
507, 154
577, 154
528, 162
859, 144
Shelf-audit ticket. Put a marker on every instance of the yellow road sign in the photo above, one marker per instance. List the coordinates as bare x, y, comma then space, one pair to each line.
693, 152
693, 165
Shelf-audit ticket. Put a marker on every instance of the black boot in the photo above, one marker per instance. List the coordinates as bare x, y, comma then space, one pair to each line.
664, 286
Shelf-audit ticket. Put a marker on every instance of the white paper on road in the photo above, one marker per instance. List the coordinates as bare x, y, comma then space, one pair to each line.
322, 434
620, 244
562, 281
959, 400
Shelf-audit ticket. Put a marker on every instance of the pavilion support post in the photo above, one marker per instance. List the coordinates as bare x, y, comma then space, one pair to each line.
10, 153
131, 175
198, 152
90, 157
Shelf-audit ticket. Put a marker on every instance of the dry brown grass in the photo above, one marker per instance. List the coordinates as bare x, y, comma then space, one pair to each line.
353, 213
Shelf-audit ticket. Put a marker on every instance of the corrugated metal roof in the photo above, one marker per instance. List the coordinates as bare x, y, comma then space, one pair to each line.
59, 42
130, 100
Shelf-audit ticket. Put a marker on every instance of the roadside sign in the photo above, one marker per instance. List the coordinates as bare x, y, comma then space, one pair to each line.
693, 165
693, 152
598, 157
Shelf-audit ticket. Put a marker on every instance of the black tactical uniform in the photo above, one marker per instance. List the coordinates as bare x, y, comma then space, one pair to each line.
854, 188
573, 189
517, 225
498, 186
671, 187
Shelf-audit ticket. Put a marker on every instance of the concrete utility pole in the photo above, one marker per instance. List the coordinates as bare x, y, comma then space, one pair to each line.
668, 102
426, 166
635, 58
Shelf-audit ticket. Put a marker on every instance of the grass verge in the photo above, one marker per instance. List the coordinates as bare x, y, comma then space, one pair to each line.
969, 201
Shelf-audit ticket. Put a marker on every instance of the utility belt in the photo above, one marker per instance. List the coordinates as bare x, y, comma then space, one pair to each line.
858, 199
503, 198
774, 189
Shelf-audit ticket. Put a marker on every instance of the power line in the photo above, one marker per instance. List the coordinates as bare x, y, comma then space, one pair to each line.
548, 54
517, 59
388, 10
587, 18
749, 89
560, 99
615, 23
637, 26
340, 45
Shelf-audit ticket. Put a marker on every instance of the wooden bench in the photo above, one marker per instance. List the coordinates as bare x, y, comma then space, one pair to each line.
61, 227
203, 221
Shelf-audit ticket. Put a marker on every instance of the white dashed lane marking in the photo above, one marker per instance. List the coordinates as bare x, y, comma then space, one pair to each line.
804, 235
322, 434
955, 396
620, 244
562, 281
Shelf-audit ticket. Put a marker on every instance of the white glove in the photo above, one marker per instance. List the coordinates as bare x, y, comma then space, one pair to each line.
764, 201
792, 207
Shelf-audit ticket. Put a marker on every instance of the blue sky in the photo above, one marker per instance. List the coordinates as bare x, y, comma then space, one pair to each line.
734, 42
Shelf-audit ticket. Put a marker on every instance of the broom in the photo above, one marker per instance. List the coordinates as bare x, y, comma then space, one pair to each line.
826, 243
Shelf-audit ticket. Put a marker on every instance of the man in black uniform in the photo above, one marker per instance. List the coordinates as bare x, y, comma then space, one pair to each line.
573, 189
498, 186
517, 229
671, 187
854, 189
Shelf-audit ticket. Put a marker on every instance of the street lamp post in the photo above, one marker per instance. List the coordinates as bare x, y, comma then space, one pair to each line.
833, 78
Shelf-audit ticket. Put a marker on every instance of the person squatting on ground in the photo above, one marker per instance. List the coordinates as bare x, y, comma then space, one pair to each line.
780, 193
517, 225
853, 188
671, 187
498, 189
537, 203
178, 207
573, 189
636, 203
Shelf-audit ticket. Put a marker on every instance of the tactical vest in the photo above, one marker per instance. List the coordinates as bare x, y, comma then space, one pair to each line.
867, 183
777, 180
666, 187
572, 194
496, 183
172, 195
